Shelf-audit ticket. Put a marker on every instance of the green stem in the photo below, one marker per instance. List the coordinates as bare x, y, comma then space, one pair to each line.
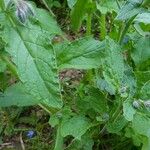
125, 29
59, 140
48, 109
103, 31
89, 24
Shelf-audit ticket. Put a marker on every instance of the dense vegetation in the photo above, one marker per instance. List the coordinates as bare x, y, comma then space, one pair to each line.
75, 74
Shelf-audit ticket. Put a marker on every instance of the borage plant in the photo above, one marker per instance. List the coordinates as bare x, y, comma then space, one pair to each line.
109, 108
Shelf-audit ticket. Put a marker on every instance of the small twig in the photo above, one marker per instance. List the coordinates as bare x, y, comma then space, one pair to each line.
70, 144
21, 142
103, 130
4, 145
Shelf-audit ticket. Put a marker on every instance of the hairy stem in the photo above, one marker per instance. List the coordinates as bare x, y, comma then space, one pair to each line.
103, 30
89, 24
59, 139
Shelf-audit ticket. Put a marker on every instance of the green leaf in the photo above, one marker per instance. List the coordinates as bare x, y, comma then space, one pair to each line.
130, 81
144, 18
94, 101
113, 69
84, 53
64, 114
46, 22
105, 6
145, 90
129, 10
16, 95
105, 86
78, 13
34, 57
76, 126
128, 110
86, 143
137, 139
54, 120
141, 124
117, 125
142, 77
141, 52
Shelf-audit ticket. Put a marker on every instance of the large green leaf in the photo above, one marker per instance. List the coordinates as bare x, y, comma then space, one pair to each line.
16, 95
76, 126
93, 101
113, 69
141, 124
144, 18
129, 10
85, 53
117, 125
30, 49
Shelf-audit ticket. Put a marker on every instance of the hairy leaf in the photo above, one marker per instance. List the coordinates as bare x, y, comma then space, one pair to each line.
95, 100
76, 126
144, 18
141, 124
113, 69
129, 10
84, 53
117, 125
16, 95
34, 57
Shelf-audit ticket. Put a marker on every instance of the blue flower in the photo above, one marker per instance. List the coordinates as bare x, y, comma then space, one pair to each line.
30, 134
24, 10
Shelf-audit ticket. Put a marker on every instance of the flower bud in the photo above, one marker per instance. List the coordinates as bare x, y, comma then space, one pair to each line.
23, 10
136, 104
147, 103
